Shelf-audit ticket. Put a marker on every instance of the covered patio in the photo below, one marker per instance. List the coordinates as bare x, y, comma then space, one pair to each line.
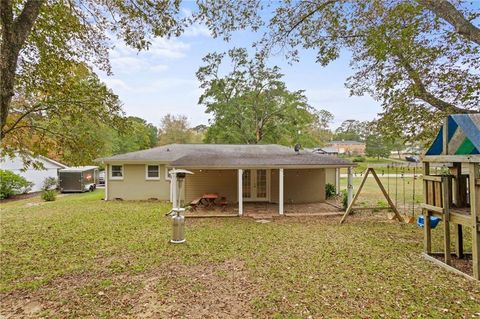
265, 210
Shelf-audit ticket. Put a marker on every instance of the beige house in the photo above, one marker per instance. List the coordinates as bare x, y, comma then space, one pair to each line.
241, 173
348, 147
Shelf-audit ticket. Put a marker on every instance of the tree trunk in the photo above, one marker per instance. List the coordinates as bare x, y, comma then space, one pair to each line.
447, 11
258, 135
14, 35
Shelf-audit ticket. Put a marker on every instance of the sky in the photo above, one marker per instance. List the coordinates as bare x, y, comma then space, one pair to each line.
162, 80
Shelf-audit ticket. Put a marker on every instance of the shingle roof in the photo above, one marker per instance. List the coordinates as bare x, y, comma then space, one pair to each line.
228, 155
346, 143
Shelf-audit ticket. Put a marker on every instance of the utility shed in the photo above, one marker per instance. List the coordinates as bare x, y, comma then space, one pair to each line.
454, 196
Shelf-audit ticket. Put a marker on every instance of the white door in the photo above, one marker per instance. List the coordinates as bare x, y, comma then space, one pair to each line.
256, 185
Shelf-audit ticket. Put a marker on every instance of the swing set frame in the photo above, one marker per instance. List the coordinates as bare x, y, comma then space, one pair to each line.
392, 206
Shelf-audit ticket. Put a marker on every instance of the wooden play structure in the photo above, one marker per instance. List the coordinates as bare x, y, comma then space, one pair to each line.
454, 195
391, 205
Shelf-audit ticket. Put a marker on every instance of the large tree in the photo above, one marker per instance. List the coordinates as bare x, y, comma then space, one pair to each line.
251, 104
59, 115
41, 41
176, 129
419, 58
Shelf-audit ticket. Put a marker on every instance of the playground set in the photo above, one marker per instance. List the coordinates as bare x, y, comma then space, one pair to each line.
451, 196
454, 197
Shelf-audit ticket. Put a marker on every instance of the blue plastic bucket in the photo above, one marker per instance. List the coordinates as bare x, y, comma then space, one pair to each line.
433, 221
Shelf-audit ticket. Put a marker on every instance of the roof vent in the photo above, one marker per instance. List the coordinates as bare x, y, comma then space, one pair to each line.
297, 148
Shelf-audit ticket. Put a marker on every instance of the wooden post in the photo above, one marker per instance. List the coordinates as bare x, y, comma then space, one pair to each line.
240, 192
459, 241
475, 215
427, 231
446, 218
384, 192
280, 191
350, 204
337, 181
350, 185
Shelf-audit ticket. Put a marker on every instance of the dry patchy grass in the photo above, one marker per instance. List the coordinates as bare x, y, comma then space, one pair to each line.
82, 257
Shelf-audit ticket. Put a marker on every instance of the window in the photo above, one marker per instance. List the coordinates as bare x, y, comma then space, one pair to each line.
116, 172
153, 171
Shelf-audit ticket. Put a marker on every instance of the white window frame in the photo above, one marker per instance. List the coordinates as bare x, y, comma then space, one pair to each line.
152, 178
118, 178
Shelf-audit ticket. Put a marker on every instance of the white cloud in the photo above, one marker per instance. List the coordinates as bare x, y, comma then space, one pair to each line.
128, 64
168, 48
159, 68
116, 84
197, 30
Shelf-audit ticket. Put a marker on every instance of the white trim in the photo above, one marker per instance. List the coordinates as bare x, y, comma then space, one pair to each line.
116, 178
167, 173
148, 178
280, 191
349, 186
106, 182
240, 192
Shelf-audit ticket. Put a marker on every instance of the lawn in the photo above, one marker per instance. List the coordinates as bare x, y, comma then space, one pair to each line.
82, 257
401, 191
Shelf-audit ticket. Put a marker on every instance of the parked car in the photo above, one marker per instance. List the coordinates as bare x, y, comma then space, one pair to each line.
101, 178
412, 158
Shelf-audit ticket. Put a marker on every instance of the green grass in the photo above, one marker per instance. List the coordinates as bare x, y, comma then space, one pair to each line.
80, 256
371, 194
380, 164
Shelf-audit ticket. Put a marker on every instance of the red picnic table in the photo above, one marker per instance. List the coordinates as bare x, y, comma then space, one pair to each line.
209, 200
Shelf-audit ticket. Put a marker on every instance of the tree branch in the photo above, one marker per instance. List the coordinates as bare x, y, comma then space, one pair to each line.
447, 11
422, 93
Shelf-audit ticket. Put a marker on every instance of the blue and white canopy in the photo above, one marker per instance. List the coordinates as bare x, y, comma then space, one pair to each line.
463, 136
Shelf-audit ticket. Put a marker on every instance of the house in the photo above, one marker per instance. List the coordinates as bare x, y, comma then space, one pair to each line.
326, 150
30, 173
348, 147
258, 173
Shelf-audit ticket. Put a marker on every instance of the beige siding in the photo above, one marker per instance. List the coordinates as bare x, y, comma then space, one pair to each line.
223, 182
135, 186
301, 185
330, 176
304, 185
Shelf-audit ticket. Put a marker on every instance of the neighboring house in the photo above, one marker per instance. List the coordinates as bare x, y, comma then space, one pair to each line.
348, 147
257, 172
36, 176
328, 150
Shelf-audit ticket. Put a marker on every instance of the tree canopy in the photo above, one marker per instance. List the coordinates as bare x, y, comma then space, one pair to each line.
46, 87
250, 103
176, 129
419, 58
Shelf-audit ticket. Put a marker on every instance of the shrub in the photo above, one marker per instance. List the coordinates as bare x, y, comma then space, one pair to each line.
49, 183
12, 184
49, 195
345, 199
359, 159
329, 190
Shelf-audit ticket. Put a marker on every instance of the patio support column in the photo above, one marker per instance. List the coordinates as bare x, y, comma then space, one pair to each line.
337, 181
350, 185
107, 174
280, 191
240, 192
